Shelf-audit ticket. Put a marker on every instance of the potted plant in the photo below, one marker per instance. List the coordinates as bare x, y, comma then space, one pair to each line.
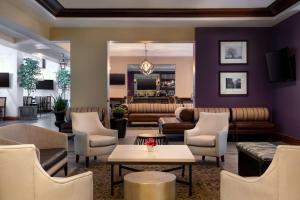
118, 111
63, 79
28, 74
59, 109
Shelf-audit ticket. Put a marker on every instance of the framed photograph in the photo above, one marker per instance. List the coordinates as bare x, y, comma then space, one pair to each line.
233, 52
233, 83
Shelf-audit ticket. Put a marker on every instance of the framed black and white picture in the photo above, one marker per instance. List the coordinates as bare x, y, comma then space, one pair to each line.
233, 52
233, 83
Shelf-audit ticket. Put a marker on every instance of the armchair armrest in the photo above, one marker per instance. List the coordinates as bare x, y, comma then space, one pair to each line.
234, 187
81, 142
106, 132
221, 141
191, 132
77, 187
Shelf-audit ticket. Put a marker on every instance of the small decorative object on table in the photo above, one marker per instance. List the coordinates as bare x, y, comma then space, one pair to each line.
151, 143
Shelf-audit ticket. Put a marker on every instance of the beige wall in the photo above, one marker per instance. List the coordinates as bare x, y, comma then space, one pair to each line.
20, 15
184, 73
89, 55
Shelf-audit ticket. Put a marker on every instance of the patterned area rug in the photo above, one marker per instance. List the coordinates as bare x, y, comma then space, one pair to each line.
206, 181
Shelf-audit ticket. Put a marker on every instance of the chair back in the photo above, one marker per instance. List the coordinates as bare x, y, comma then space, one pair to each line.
17, 180
210, 123
288, 169
86, 122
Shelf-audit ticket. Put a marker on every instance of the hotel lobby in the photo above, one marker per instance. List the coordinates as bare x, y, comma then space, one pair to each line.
157, 100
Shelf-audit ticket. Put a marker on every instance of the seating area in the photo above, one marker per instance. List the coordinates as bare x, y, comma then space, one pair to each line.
149, 100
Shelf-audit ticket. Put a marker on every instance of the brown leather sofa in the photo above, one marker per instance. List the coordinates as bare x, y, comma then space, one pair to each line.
150, 112
184, 119
254, 120
66, 127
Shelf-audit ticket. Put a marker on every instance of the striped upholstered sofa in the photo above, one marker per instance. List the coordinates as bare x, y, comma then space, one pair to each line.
251, 120
256, 120
150, 112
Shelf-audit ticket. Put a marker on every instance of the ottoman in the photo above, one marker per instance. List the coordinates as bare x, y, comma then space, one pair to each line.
254, 157
149, 185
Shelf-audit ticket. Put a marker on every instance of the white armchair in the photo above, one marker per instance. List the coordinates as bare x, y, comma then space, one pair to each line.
209, 137
280, 181
23, 178
91, 137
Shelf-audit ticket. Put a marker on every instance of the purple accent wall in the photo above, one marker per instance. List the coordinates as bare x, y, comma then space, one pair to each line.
207, 66
286, 96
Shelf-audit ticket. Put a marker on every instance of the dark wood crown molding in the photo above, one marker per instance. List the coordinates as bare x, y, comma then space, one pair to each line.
56, 9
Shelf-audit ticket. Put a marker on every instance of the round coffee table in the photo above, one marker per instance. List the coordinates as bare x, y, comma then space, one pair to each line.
159, 138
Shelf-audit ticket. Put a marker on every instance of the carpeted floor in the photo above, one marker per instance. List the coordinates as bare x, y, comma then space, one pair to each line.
206, 181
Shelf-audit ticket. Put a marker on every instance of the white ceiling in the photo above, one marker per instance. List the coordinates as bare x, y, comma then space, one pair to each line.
16, 37
166, 3
153, 49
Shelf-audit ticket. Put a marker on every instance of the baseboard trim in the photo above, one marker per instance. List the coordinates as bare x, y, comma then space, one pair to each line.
9, 118
288, 139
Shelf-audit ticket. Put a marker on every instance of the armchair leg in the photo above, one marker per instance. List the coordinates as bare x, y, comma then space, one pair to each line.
87, 161
95, 157
223, 158
203, 157
77, 158
218, 161
66, 169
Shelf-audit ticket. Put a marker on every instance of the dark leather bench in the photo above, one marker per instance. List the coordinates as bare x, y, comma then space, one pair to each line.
254, 157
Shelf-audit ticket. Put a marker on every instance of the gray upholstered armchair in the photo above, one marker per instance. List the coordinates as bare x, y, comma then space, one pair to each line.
91, 137
51, 146
209, 137
23, 178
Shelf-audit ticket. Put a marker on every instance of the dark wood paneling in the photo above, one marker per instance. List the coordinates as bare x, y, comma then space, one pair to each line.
280, 5
55, 8
259, 12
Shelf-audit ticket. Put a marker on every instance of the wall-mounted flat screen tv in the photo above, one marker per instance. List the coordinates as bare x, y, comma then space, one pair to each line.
45, 85
4, 79
117, 79
146, 84
281, 66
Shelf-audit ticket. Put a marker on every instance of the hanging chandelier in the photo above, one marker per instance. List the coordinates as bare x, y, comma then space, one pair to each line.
146, 66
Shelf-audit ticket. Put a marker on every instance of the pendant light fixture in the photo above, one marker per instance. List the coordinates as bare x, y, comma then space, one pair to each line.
146, 66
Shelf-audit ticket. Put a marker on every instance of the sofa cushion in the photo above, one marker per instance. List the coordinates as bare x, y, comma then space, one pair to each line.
209, 110
202, 141
250, 114
152, 108
101, 140
173, 123
49, 157
254, 125
184, 114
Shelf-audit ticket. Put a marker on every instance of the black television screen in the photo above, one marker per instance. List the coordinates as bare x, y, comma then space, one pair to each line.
45, 85
281, 66
117, 79
4, 79
146, 84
